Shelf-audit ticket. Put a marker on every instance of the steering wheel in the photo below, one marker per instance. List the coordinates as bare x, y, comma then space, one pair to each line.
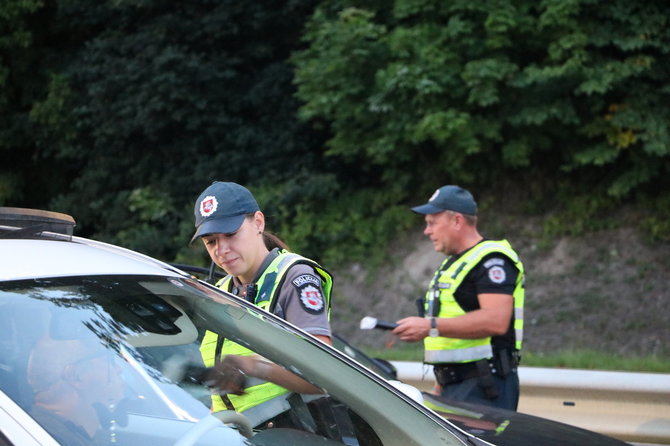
211, 421
232, 417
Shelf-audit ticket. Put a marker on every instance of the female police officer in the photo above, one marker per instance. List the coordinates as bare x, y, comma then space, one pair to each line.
232, 227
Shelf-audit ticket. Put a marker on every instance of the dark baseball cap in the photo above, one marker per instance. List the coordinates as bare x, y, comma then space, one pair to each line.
449, 198
221, 208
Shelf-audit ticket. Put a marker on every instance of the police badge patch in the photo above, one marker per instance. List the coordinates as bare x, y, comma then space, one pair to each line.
311, 299
497, 274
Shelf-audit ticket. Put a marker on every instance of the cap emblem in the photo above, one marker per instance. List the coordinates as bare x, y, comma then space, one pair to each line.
208, 205
434, 196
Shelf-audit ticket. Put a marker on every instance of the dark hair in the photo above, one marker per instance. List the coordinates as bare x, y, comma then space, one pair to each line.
272, 241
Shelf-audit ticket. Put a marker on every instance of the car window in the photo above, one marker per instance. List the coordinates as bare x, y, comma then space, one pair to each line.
131, 347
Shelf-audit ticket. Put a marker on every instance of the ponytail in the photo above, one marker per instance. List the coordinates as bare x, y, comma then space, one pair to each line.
272, 241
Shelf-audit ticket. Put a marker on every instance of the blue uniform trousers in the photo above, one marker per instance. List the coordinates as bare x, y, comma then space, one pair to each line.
469, 390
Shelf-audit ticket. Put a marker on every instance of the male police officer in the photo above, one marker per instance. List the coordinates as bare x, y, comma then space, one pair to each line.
473, 310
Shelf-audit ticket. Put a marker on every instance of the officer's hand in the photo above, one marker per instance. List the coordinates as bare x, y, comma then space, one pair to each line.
412, 329
228, 376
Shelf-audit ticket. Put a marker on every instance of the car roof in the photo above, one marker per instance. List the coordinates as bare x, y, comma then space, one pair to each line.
22, 259
39, 244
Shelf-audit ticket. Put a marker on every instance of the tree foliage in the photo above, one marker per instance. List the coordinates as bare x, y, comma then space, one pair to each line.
19, 86
158, 99
337, 116
471, 92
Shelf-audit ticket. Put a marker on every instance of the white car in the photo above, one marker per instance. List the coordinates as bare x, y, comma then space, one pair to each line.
100, 345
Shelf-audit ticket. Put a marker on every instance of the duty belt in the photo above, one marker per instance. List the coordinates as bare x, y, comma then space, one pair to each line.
501, 365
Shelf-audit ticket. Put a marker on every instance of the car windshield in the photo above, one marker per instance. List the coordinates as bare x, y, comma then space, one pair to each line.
119, 359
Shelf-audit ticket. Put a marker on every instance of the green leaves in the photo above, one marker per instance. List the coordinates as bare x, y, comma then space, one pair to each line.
338, 116
484, 78
444, 71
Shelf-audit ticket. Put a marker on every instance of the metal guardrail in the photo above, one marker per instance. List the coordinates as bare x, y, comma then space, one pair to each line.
634, 407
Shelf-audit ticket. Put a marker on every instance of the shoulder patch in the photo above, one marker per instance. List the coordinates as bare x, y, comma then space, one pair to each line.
497, 274
311, 298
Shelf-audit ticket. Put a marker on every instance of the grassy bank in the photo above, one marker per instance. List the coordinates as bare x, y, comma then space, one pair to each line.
577, 359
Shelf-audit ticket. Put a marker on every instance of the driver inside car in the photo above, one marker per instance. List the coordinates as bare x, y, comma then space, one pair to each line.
76, 385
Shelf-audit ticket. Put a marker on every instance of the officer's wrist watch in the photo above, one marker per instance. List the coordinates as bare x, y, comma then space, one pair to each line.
433, 332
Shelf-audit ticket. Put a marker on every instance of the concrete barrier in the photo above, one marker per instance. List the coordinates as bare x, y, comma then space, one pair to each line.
633, 407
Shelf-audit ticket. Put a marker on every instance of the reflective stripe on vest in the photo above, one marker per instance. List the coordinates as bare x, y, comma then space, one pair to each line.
268, 285
442, 287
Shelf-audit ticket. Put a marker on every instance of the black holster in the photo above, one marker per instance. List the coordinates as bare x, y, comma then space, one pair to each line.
486, 381
505, 362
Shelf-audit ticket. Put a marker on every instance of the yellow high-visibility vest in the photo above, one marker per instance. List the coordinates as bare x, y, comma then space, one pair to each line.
268, 292
442, 287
